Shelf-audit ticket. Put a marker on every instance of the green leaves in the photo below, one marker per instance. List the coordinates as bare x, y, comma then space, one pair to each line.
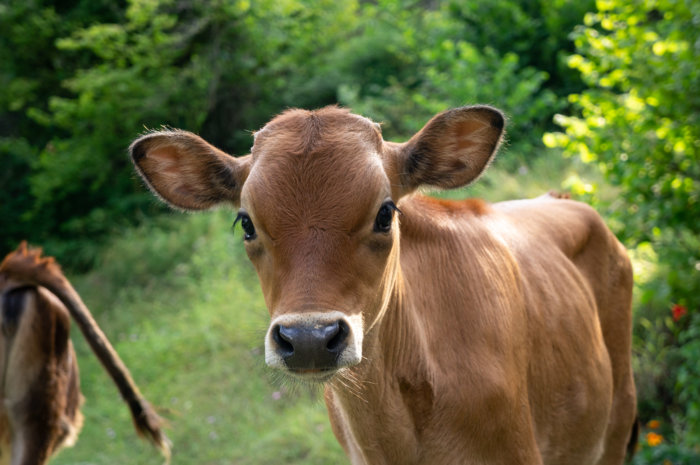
642, 110
447, 60
639, 122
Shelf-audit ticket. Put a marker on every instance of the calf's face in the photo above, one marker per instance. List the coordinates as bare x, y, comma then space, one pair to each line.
317, 203
320, 228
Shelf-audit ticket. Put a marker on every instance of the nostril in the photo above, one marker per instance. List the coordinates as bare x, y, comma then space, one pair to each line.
337, 342
282, 340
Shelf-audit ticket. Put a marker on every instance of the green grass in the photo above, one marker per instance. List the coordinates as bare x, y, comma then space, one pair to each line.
181, 303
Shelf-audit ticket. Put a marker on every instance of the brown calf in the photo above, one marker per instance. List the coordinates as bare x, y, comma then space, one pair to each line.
40, 390
446, 332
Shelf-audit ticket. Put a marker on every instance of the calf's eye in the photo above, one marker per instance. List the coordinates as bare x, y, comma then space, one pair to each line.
385, 216
247, 225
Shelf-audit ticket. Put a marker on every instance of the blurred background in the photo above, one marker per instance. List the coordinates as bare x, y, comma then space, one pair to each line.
602, 99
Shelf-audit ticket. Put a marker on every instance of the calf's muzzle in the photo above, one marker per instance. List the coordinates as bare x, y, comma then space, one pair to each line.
311, 346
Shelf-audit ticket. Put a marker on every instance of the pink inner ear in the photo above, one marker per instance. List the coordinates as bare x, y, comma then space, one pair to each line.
469, 125
464, 143
165, 154
468, 133
167, 174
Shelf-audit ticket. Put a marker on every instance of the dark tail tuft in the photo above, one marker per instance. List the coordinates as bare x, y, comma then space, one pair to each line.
149, 425
634, 436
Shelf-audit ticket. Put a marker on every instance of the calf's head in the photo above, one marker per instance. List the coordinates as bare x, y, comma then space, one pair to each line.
317, 200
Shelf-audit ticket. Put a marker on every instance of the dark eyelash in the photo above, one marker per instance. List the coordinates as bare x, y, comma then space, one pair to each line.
393, 206
239, 217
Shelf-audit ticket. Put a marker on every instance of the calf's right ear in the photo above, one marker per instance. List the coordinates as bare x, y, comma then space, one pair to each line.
187, 172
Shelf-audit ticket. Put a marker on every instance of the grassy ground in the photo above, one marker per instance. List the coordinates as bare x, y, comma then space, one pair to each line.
181, 303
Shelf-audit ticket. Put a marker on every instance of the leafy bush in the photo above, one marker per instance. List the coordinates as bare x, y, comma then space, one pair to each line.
640, 124
665, 454
32, 70
445, 70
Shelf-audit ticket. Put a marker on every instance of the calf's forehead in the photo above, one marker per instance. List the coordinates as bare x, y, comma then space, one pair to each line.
326, 170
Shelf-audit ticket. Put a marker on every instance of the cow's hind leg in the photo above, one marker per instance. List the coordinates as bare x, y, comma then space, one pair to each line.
41, 394
616, 321
606, 265
31, 444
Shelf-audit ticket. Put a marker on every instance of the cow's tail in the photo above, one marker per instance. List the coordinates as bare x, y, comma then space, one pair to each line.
27, 265
634, 437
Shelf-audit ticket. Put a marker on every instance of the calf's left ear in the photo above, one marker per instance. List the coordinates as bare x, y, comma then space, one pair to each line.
187, 172
451, 150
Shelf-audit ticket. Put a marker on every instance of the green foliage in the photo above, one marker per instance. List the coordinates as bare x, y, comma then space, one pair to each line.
535, 30
665, 454
32, 71
82, 179
445, 69
16, 155
640, 124
688, 381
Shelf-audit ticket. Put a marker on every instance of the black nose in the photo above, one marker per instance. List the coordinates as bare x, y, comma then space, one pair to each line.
311, 347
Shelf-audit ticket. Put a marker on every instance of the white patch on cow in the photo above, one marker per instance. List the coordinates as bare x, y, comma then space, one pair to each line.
352, 355
24, 359
19, 448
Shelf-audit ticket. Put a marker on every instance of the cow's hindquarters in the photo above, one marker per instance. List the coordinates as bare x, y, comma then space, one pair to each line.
580, 286
40, 386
